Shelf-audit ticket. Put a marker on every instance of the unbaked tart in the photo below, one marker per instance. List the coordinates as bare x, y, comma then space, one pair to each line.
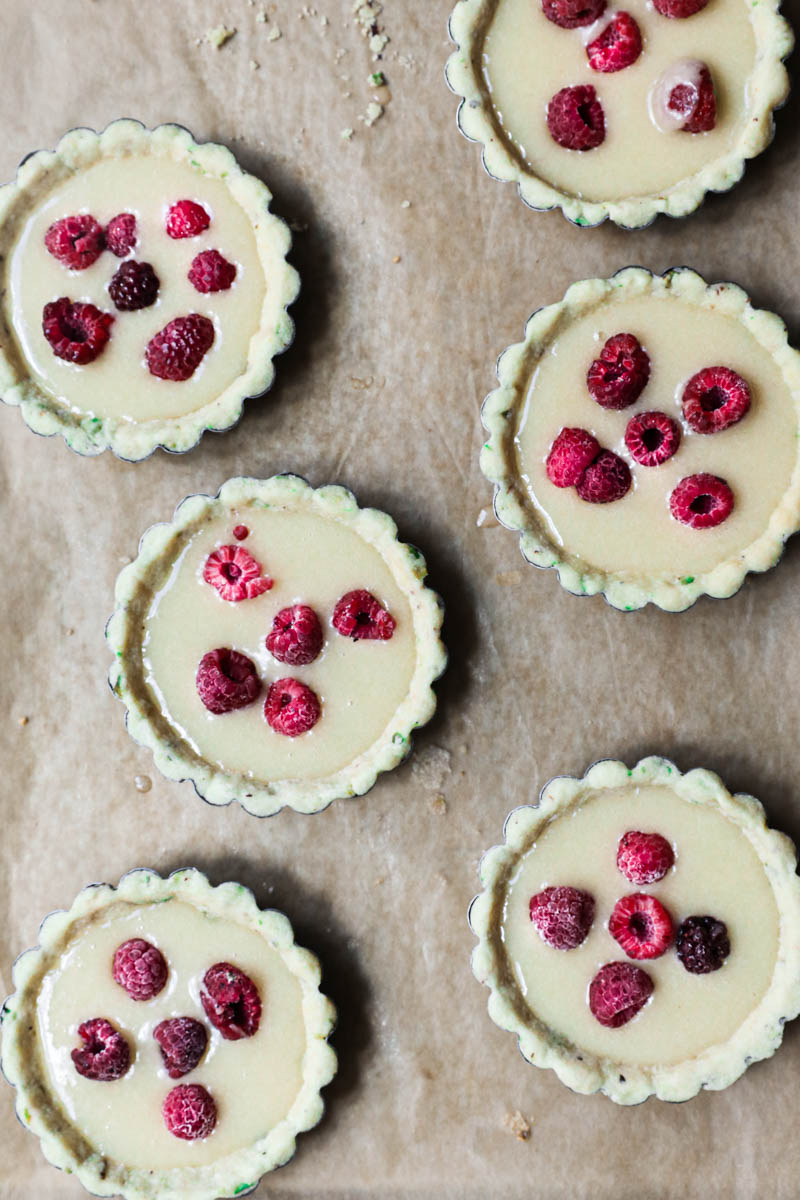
639, 930
167, 1037
144, 289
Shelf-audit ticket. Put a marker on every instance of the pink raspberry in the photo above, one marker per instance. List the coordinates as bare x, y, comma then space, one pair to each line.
77, 332
679, 8
608, 478
695, 102
187, 219
231, 1001
570, 455
210, 272
652, 438
76, 241
105, 1056
121, 234
177, 350
189, 1112
619, 376
569, 14
715, 398
140, 968
618, 992
358, 615
617, 47
226, 680
701, 501
134, 285
296, 636
291, 708
644, 857
240, 532
641, 925
576, 119
183, 1042
563, 916
235, 574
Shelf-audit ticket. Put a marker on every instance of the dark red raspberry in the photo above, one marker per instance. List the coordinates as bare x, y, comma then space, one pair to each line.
189, 1112
291, 708
644, 857
715, 398
641, 925
570, 455
76, 241
296, 636
235, 574
701, 501
702, 944
76, 332
240, 532
210, 272
576, 119
359, 615
563, 916
105, 1056
617, 47
133, 285
607, 478
121, 234
619, 376
231, 1001
695, 102
569, 14
183, 1043
186, 219
177, 350
652, 438
140, 968
226, 680
679, 8
618, 992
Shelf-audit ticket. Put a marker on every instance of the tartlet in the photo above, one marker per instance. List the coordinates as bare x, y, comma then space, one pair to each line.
145, 289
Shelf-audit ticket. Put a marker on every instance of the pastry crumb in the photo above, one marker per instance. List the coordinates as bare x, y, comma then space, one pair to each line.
366, 13
431, 766
274, 34
219, 35
142, 783
23, 720
261, 16
381, 879
374, 113
346, 134
405, 204
518, 1125
376, 79
439, 804
254, 66
396, 259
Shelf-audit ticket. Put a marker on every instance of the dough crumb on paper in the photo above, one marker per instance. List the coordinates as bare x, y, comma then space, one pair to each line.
219, 35
518, 1125
430, 766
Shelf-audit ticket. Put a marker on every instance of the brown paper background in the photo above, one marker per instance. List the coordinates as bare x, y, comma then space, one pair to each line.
381, 392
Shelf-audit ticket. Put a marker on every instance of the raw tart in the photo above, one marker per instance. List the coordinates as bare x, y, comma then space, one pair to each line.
571, 106
132, 962
620, 361
703, 967
145, 288
304, 680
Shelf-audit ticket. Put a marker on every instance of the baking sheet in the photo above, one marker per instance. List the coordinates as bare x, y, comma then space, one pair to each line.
403, 312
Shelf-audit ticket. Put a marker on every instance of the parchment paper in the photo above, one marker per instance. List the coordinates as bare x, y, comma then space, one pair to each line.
403, 312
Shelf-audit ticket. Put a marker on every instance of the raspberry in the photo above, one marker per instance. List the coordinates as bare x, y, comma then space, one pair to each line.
359, 615
570, 455
177, 350
240, 532
576, 119
140, 968
644, 857
291, 708
619, 376
652, 438
701, 501
105, 1056
210, 272
702, 944
563, 916
187, 219
76, 241
694, 102
235, 574
618, 992
641, 925
76, 332
183, 1043
607, 478
226, 680
296, 636
189, 1112
617, 47
569, 14
121, 234
231, 1001
679, 8
134, 285
715, 398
